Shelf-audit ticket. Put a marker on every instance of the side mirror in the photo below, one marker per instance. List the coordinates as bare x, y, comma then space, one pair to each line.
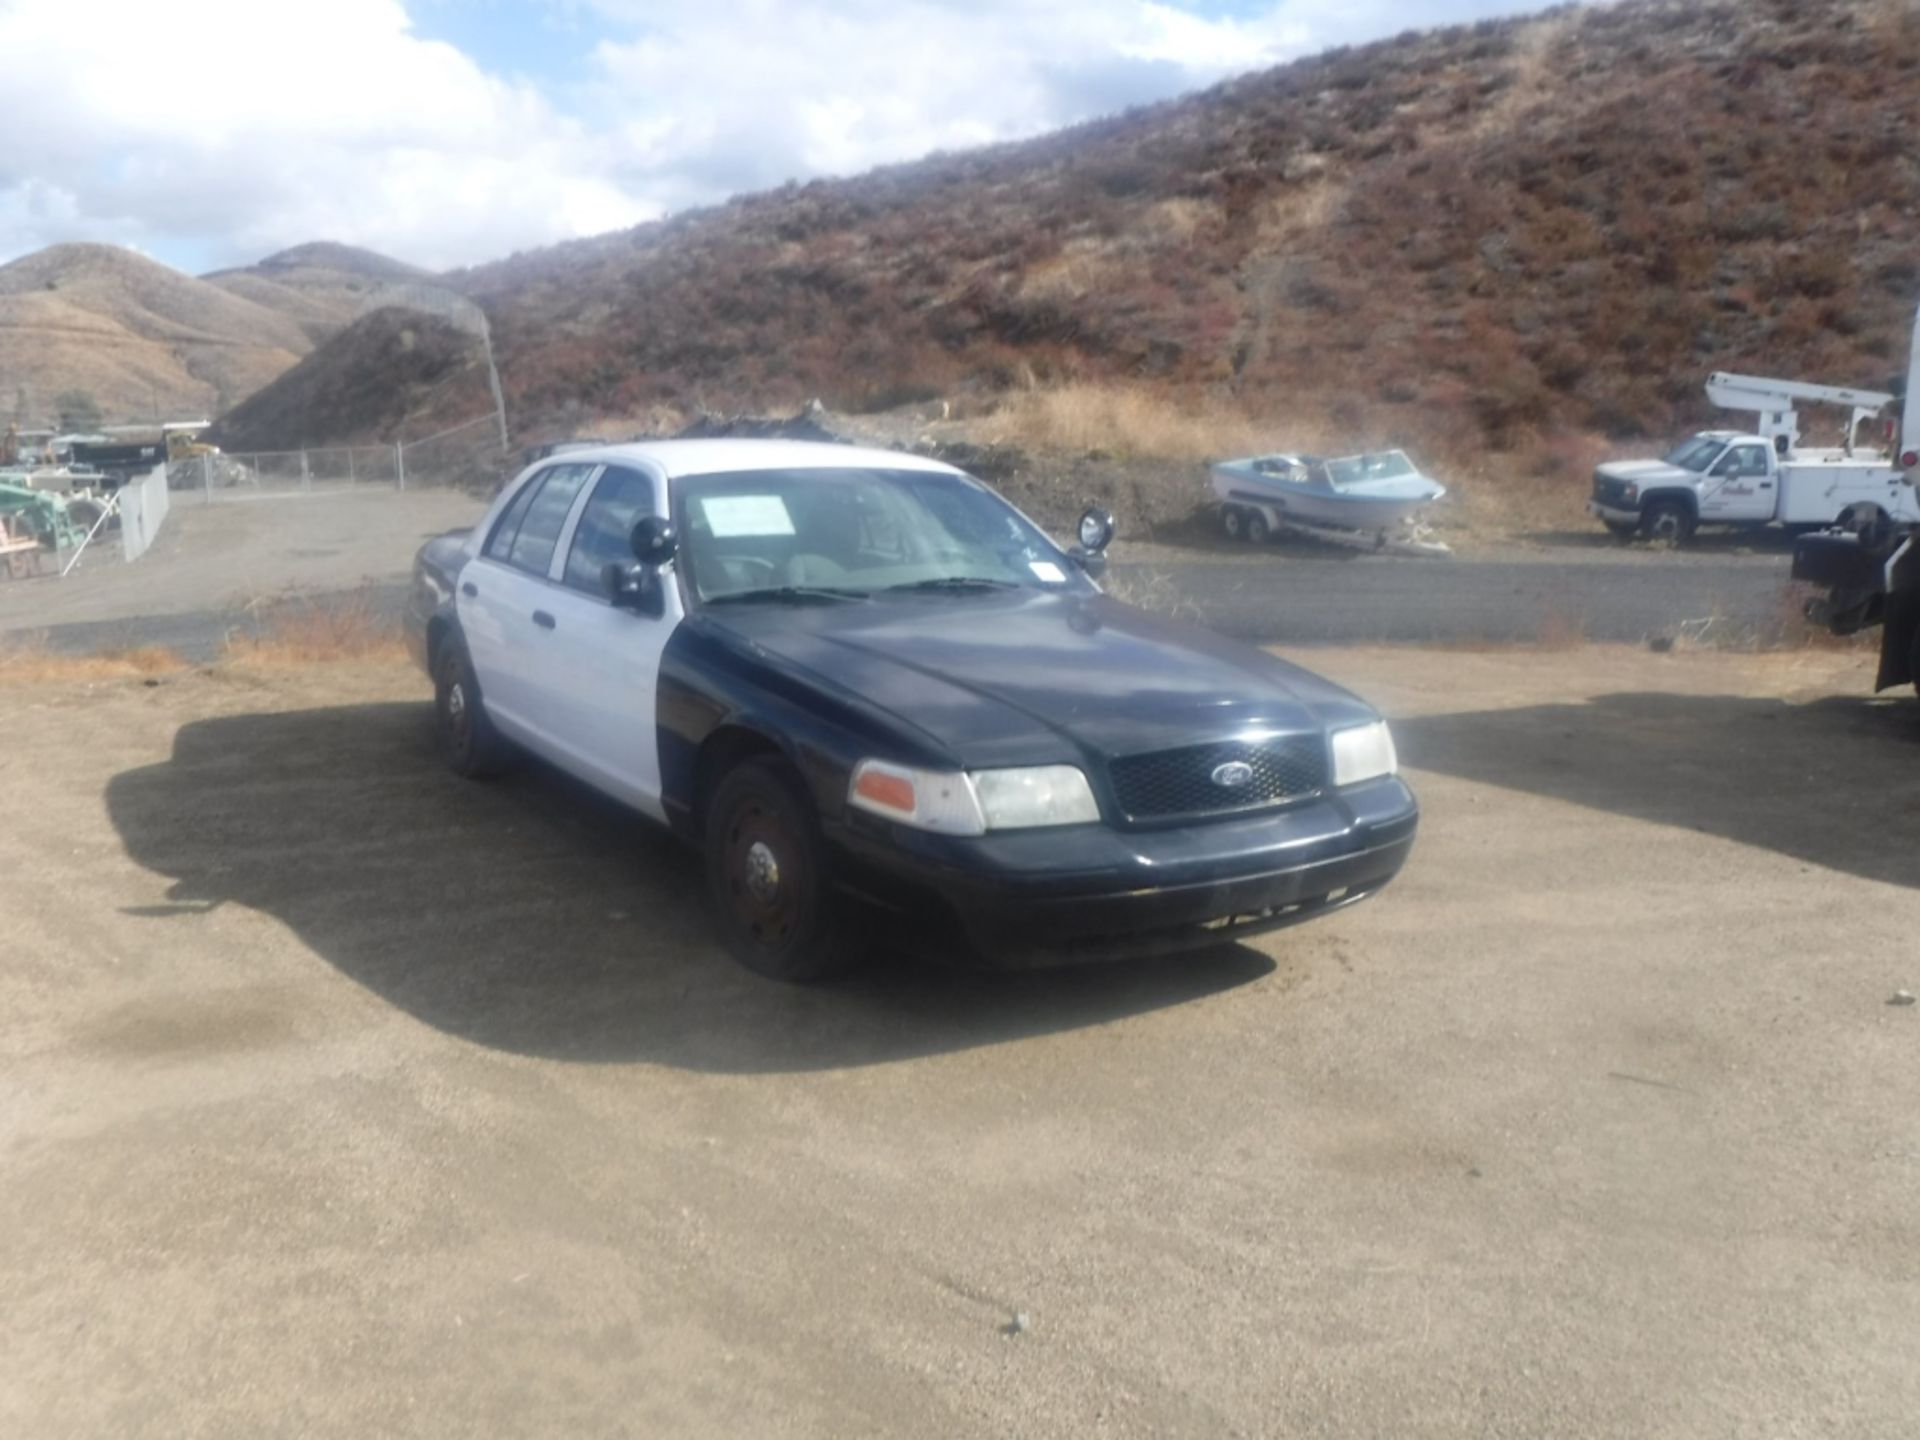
653, 539
632, 587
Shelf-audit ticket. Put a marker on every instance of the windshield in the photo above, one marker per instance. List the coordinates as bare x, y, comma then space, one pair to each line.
854, 533
1379, 465
1696, 454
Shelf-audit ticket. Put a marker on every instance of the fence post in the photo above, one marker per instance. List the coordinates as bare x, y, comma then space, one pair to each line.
306, 475
206, 475
400, 463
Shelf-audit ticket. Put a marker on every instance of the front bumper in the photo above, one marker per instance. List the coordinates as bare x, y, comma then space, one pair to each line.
1025, 898
1614, 514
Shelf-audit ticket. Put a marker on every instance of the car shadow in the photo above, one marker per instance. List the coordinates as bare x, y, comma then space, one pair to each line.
533, 916
1834, 783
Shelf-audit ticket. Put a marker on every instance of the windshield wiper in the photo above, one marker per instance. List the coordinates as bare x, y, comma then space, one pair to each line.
787, 593
956, 582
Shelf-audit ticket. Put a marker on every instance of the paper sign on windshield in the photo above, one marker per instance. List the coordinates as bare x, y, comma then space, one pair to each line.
732, 516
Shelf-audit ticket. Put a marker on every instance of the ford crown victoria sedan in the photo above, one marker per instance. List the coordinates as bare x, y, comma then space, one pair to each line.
869, 689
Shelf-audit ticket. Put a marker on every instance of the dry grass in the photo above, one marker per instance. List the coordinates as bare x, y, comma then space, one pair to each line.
1132, 422
318, 633
29, 661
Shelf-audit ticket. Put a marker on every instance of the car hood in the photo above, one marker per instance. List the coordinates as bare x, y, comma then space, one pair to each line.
1647, 472
1032, 676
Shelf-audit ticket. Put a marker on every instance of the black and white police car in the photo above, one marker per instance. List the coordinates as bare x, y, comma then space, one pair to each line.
866, 686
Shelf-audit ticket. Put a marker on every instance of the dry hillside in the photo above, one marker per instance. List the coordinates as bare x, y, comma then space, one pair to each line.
142, 338
1510, 245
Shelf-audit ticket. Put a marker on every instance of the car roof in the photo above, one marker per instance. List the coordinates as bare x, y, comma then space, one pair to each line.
679, 458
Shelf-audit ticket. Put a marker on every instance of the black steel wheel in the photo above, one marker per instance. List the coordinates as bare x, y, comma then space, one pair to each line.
1233, 523
766, 876
1258, 531
468, 741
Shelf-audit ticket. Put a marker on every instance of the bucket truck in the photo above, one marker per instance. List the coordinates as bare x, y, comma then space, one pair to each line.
1764, 476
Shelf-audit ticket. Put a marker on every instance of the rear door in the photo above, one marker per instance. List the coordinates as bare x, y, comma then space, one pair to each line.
502, 601
601, 665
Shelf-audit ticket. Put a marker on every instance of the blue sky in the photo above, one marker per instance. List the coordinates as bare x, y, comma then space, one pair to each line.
448, 132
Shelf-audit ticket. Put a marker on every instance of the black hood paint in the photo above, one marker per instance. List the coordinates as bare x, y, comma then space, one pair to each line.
1031, 676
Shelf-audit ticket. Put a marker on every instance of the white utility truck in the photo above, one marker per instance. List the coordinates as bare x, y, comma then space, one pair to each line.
1766, 477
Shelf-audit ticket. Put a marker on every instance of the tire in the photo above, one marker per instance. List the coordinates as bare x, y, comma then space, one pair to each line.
1667, 520
1258, 532
1622, 529
1233, 524
767, 879
468, 742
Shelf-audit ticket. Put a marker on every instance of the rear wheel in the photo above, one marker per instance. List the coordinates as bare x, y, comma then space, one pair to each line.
1667, 520
766, 875
1257, 529
468, 741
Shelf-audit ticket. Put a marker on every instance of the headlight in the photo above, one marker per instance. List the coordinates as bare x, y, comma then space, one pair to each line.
972, 804
1364, 752
1038, 795
1632, 492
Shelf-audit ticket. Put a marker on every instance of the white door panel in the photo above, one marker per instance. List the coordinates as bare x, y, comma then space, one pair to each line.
603, 665
496, 605
598, 671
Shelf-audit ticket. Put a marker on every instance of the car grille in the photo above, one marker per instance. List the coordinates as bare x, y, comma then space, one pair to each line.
1612, 492
1179, 784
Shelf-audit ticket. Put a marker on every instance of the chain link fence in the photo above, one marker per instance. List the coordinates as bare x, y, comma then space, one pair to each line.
465, 456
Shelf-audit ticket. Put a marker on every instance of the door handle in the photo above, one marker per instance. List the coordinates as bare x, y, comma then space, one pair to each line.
543, 619
467, 587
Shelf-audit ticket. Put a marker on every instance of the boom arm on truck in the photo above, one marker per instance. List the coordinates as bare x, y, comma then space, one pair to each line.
1772, 401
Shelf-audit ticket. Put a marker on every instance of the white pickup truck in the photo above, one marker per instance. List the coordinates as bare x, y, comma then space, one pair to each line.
1730, 477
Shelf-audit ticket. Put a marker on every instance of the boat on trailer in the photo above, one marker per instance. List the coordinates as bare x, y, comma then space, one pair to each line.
1373, 498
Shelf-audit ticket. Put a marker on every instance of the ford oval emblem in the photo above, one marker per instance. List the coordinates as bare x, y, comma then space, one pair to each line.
1234, 775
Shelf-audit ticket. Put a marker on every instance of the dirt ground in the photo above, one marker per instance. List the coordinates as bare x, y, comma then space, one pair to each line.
341, 1097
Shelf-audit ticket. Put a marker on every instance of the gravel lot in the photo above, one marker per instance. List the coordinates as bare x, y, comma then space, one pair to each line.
344, 1098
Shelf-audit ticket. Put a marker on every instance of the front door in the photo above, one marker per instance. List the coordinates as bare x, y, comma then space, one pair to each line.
601, 665
1740, 486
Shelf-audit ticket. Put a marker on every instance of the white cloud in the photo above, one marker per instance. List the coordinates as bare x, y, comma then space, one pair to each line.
236, 127
224, 129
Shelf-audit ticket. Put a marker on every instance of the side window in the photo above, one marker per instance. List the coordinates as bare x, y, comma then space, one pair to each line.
621, 497
532, 549
500, 543
1753, 460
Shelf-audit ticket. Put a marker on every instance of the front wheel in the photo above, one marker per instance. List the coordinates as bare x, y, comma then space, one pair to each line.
1668, 520
766, 876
